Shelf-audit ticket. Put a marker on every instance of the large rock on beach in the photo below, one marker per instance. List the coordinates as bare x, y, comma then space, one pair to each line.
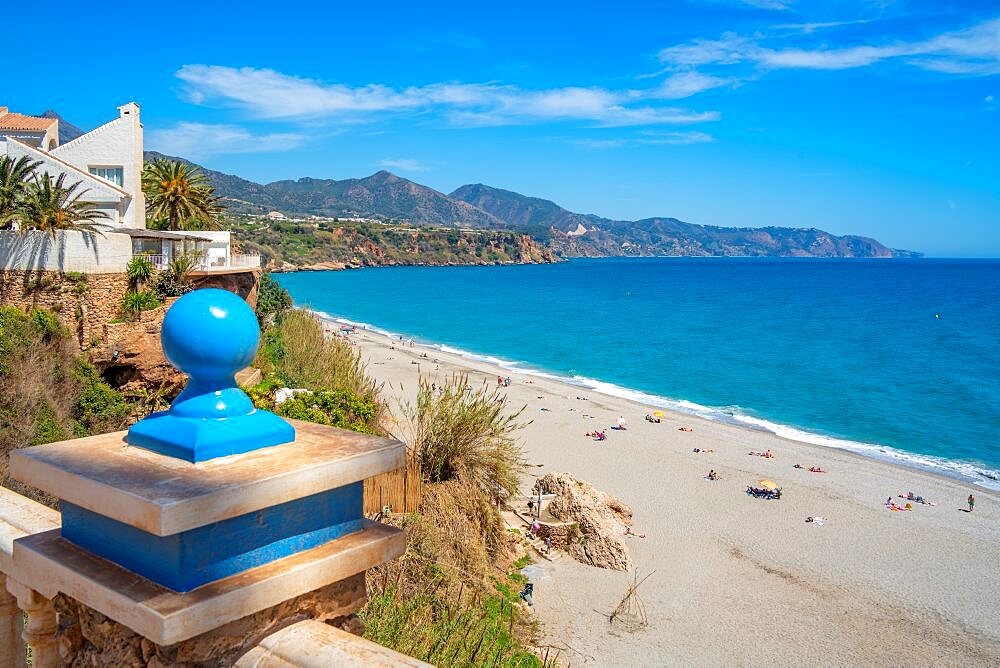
602, 520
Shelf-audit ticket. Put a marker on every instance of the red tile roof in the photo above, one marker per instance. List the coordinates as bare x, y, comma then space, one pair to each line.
10, 121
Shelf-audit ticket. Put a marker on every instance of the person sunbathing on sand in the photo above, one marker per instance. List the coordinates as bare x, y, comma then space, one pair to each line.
703, 450
890, 504
685, 429
629, 532
910, 496
712, 475
816, 469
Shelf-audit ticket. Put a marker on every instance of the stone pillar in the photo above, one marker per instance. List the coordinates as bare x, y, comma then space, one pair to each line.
12, 651
40, 631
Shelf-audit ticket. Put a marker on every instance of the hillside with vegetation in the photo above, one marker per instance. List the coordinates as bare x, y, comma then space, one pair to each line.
287, 244
574, 234
392, 199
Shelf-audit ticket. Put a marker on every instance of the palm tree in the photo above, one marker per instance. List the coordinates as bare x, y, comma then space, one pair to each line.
14, 177
49, 205
179, 193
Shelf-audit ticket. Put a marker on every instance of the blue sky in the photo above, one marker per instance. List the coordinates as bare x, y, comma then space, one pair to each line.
879, 118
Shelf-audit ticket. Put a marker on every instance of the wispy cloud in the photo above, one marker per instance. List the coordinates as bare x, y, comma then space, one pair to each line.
810, 28
269, 94
199, 140
779, 5
686, 84
974, 51
404, 164
649, 138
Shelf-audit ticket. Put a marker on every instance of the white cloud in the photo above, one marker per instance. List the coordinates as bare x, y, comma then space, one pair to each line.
404, 164
650, 138
677, 138
768, 4
975, 51
198, 140
810, 28
269, 94
686, 84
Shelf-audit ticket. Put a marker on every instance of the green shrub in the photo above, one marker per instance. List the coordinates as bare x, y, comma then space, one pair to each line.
47, 428
297, 351
165, 284
76, 276
136, 301
272, 300
139, 269
99, 408
336, 408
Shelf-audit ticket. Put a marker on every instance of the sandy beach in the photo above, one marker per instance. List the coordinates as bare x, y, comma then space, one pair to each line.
740, 580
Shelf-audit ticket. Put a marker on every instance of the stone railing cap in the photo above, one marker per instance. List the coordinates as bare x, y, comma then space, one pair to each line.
164, 495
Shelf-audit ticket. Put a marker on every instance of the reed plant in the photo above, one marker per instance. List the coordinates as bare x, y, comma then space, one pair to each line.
455, 429
297, 353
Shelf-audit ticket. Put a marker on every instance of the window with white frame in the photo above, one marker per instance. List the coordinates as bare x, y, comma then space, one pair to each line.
113, 174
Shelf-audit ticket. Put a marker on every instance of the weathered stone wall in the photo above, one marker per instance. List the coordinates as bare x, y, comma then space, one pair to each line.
130, 355
88, 638
84, 302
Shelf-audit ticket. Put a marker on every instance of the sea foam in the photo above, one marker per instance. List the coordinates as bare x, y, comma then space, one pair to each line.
972, 472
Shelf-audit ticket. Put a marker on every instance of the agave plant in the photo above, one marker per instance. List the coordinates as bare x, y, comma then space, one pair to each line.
182, 265
14, 178
135, 301
138, 270
51, 206
179, 194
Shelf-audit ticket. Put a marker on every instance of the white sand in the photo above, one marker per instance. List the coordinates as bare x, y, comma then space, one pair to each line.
741, 580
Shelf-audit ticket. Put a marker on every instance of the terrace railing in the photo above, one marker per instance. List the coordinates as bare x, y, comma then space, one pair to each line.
28, 619
203, 263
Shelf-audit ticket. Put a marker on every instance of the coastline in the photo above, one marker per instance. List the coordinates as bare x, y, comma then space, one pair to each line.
733, 573
980, 475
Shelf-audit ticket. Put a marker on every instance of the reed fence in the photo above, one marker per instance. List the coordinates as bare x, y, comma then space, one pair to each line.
400, 490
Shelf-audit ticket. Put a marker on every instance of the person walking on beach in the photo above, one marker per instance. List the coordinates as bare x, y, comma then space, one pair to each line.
972, 502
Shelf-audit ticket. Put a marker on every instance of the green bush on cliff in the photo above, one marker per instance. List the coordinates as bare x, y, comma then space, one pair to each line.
272, 300
50, 393
99, 408
336, 408
300, 354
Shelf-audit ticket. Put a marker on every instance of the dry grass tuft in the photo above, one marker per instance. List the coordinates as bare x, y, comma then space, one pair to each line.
297, 350
455, 431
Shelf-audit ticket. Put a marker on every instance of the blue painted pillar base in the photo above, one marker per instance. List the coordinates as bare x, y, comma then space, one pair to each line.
187, 560
199, 439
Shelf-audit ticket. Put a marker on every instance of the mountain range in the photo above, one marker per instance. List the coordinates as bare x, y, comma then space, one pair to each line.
389, 197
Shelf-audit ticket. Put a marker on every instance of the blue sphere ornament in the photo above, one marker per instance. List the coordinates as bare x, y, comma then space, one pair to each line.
210, 334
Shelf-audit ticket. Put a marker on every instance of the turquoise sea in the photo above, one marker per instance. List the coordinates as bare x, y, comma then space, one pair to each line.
896, 359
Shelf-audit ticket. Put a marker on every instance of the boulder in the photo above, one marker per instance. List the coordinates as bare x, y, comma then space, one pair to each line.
324, 266
602, 520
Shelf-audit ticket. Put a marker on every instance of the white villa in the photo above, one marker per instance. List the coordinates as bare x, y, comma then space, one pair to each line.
107, 162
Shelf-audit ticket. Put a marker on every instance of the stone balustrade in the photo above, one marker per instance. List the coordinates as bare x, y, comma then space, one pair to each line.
302, 644
210, 534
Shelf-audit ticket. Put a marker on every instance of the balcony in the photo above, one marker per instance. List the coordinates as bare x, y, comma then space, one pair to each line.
235, 262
